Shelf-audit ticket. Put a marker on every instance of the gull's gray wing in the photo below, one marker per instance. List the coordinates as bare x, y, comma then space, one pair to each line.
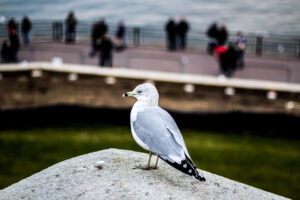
173, 128
158, 130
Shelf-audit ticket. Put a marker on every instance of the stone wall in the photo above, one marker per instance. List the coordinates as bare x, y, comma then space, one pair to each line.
43, 84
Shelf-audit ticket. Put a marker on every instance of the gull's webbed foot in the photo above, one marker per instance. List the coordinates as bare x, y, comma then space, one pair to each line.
148, 167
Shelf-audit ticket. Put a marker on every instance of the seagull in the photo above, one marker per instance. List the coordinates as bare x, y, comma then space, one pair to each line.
155, 130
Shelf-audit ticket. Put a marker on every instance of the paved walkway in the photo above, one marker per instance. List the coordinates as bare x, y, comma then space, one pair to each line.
275, 69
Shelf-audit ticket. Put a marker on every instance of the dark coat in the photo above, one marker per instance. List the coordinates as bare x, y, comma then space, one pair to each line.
94, 31
11, 26
182, 28
102, 28
6, 52
212, 31
120, 32
71, 23
26, 25
14, 42
229, 59
106, 46
222, 36
171, 29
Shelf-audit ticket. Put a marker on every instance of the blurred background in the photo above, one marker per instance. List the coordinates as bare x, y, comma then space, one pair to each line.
228, 72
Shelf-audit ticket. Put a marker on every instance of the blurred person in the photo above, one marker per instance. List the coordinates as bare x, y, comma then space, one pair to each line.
228, 60
71, 24
222, 35
120, 40
219, 51
182, 30
105, 46
25, 28
99, 29
11, 26
212, 34
240, 49
14, 46
102, 29
94, 37
170, 29
6, 54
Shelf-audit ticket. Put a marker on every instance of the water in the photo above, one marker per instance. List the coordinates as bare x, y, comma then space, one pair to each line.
273, 16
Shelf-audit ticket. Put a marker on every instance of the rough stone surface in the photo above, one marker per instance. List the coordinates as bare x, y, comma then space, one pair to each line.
110, 174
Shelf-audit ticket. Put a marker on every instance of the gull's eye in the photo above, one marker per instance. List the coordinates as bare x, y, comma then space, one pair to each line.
139, 91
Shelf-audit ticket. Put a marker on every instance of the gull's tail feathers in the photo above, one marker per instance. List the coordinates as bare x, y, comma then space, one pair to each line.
187, 166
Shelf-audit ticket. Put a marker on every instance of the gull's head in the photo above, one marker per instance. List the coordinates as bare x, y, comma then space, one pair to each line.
146, 93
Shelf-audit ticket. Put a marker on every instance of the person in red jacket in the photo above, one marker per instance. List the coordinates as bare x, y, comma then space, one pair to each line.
227, 58
11, 26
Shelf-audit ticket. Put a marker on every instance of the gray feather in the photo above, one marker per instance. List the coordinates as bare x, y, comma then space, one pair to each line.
157, 129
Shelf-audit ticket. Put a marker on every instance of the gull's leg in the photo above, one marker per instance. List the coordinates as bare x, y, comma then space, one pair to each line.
156, 163
148, 166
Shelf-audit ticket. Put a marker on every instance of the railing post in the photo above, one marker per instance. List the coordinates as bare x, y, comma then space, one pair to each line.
57, 32
299, 50
259, 45
60, 25
53, 30
136, 36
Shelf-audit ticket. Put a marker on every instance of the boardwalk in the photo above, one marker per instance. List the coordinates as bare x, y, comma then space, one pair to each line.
274, 69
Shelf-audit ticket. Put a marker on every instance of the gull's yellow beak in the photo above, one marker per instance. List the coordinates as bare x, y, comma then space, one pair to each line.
128, 94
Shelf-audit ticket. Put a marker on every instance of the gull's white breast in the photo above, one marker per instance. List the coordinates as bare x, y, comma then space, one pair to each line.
137, 107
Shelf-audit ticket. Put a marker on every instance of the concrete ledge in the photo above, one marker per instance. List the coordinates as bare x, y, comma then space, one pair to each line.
109, 174
40, 84
155, 76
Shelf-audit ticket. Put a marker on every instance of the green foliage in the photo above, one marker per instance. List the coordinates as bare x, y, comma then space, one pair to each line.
268, 163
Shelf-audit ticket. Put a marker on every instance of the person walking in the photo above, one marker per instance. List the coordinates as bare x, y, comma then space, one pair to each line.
99, 29
71, 24
171, 30
240, 49
182, 30
105, 46
25, 28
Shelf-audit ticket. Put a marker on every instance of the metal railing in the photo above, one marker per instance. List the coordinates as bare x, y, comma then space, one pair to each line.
259, 44
180, 63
